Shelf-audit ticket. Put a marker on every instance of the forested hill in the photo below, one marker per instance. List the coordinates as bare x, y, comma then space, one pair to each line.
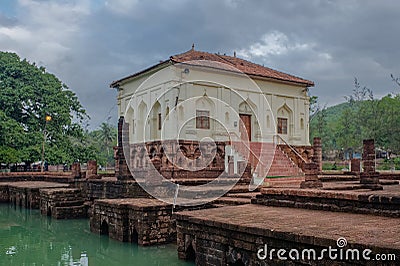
345, 125
332, 113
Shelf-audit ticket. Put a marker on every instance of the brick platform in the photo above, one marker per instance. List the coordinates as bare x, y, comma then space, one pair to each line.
63, 203
145, 221
26, 194
334, 198
233, 235
59, 177
110, 188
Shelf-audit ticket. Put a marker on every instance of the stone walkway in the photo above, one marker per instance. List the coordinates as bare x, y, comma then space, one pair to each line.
35, 184
335, 190
301, 225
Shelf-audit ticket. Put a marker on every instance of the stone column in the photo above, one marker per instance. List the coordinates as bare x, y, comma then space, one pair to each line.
317, 157
116, 158
91, 172
76, 170
355, 167
369, 178
311, 178
123, 140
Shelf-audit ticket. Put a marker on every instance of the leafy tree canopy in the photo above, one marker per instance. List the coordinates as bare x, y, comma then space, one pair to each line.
27, 95
344, 126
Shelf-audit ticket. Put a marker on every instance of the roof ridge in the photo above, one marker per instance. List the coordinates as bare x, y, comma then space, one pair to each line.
222, 57
240, 64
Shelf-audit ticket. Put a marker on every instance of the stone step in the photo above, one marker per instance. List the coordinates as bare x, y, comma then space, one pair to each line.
284, 182
248, 195
202, 181
283, 166
218, 205
334, 178
340, 197
280, 163
200, 196
232, 201
67, 204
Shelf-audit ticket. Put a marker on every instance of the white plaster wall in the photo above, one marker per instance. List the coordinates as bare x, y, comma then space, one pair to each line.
219, 92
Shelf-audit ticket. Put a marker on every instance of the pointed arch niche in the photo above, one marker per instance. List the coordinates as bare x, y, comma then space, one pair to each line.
130, 120
205, 110
284, 123
155, 121
141, 123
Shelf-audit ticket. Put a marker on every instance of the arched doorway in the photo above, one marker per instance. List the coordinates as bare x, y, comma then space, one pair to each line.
104, 228
246, 115
238, 262
190, 253
134, 236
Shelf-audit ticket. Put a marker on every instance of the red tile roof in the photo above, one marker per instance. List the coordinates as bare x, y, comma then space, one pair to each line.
229, 63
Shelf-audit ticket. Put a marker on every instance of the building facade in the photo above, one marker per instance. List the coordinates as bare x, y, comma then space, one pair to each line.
198, 97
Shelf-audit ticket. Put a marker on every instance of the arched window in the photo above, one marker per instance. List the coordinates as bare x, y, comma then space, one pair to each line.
204, 107
284, 121
202, 119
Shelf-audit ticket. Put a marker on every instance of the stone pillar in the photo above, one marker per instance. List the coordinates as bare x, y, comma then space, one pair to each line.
116, 158
76, 170
355, 167
91, 172
368, 155
311, 178
123, 140
317, 157
369, 178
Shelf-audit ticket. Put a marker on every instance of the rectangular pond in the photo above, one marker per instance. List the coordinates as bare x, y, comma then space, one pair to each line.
28, 238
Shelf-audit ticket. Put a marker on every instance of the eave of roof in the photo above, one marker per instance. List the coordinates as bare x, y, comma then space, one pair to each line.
117, 83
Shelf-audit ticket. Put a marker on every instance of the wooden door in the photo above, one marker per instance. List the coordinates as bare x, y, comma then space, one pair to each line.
245, 127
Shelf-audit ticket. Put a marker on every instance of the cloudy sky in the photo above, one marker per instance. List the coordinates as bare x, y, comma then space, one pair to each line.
90, 43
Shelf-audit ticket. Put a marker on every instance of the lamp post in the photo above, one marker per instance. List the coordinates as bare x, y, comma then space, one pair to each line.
48, 119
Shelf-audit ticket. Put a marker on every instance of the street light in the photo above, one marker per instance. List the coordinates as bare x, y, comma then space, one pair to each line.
48, 119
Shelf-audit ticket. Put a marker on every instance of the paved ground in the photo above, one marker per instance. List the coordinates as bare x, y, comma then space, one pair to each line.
135, 202
337, 190
35, 184
369, 230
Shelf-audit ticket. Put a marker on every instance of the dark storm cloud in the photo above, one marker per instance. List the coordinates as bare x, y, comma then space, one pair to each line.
90, 43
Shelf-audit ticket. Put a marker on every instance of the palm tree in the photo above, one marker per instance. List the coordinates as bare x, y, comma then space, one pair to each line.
107, 135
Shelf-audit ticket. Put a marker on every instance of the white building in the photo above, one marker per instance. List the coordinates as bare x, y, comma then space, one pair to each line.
197, 95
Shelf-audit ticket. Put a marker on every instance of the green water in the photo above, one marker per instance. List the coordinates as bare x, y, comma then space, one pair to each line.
28, 238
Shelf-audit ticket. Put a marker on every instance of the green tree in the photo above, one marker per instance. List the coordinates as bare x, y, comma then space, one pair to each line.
27, 95
103, 140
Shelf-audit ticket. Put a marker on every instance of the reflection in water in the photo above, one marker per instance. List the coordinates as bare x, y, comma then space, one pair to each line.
11, 250
28, 238
67, 259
